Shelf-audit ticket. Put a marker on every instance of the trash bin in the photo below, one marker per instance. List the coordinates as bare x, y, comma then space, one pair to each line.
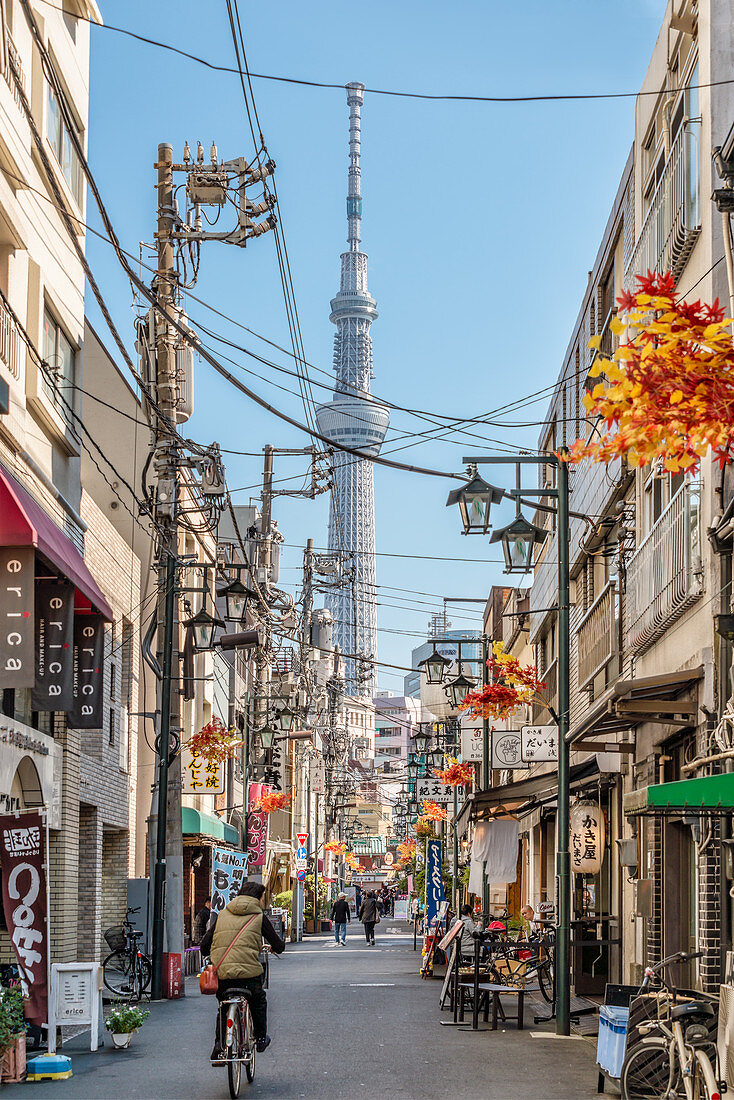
613, 1022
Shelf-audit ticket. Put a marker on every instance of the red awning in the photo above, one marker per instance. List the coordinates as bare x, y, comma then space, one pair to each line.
23, 522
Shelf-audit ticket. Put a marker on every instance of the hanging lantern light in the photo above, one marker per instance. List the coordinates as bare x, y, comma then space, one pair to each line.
519, 540
236, 596
284, 717
420, 740
587, 838
203, 626
458, 689
435, 667
266, 736
475, 499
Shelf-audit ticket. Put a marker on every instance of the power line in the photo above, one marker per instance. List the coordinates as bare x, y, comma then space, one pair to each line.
431, 96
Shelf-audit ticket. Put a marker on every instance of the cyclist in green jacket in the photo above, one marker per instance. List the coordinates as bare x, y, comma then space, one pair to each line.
242, 969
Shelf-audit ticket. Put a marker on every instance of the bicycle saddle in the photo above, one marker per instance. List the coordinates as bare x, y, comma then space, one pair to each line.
694, 1012
234, 992
136, 935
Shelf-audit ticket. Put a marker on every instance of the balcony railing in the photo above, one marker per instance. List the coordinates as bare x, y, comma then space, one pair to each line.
673, 221
597, 636
11, 347
13, 65
664, 575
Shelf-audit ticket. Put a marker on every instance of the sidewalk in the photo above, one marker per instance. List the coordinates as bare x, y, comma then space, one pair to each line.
345, 1022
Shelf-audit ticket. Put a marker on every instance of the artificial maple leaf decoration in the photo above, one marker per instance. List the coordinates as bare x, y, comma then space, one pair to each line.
667, 393
214, 741
456, 774
271, 801
512, 685
338, 847
432, 811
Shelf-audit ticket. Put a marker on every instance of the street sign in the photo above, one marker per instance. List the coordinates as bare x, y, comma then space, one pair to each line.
434, 790
471, 742
302, 839
539, 743
302, 853
301, 875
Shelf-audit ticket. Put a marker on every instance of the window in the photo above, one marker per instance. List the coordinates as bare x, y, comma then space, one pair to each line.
60, 141
59, 354
71, 22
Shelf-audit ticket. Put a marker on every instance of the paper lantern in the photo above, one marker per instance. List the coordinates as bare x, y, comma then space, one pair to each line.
587, 838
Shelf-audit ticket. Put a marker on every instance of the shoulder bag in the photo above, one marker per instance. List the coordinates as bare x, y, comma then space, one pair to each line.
209, 977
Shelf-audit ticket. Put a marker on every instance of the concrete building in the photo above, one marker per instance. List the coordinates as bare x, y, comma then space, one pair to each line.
396, 720
85, 776
649, 673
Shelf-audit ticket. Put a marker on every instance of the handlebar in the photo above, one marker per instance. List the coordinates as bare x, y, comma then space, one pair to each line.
136, 910
678, 956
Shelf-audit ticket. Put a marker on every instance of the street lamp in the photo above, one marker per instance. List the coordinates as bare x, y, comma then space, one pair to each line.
421, 740
284, 717
519, 539
203, 626
435, 667
474, 500
266, 736
435, 758
457, 690
236, 597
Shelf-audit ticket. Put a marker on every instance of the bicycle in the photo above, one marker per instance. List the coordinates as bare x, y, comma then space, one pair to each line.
236, 1028
674, 1063
126, 971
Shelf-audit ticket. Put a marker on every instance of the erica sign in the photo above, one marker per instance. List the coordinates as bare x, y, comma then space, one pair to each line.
17, 577
54, 688
86, 712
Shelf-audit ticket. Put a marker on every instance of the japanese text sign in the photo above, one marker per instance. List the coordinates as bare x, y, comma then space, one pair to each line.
24, 906
257, 827
432, 789
201, 776
471, 742
586, 840
229, 871
538, 743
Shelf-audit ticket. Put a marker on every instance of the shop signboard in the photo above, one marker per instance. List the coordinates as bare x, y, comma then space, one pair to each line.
471, 742
257, 827
25, 906
76, 998
229, 871
317, 775
539, 744
434, 881
433, 790
86, 711
17, 634
54, 686
506, 749
201, 776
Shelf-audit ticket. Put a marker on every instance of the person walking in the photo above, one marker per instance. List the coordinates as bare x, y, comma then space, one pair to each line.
341, 917
201, 922
369, 916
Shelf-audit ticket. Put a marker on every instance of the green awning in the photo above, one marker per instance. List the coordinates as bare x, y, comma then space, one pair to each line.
709, 794
369, 846
197, 822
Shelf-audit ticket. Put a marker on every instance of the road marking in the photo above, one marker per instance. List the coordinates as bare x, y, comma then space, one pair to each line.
359, 985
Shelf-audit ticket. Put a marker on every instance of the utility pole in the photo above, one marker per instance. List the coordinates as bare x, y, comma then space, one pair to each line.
168, 866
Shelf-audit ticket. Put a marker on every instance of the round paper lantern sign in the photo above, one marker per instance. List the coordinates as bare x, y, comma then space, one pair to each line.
587, 838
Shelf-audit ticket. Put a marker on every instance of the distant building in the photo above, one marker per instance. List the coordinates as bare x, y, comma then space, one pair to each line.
396, 718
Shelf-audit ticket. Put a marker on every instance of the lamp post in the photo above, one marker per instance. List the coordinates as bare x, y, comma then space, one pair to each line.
518, 542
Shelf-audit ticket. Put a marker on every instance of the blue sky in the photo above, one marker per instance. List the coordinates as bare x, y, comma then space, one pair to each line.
480, 220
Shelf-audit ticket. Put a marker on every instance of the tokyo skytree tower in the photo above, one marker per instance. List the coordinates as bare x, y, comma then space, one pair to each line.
354, 418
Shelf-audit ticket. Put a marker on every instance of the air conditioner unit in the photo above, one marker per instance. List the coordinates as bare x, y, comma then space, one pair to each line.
725, 1035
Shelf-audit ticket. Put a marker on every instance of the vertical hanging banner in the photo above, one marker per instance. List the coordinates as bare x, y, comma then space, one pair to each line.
24, 907
86, 711
54, 687
317, 775
434, 880
257, 828
229, 870
275, 770
17, 582
201, 776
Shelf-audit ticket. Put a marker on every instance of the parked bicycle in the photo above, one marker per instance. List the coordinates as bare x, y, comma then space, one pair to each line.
236, 1027
126, 971
674, 1057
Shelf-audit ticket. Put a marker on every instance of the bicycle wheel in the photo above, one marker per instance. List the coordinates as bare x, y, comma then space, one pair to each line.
704, 1079
646, 1071
234, 1053
143, 976
249, 1047
118, 973
545, 980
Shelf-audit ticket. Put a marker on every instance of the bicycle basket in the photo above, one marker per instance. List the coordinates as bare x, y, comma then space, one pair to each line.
115, 937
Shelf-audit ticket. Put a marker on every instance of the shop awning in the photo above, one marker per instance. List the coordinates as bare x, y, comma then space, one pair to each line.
370, 846
516, 799
198, 823
629, 703
708, 794
23, 522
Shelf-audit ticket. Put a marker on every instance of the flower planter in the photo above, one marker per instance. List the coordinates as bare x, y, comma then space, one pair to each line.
121, 1039
14, 1061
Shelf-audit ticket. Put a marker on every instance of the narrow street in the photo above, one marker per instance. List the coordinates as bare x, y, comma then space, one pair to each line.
353, 1021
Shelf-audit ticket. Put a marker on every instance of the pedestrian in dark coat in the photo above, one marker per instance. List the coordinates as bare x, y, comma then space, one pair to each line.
341, 917
201, 922
369, 916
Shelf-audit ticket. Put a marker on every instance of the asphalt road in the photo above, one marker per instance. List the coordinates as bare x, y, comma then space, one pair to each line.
350, 1021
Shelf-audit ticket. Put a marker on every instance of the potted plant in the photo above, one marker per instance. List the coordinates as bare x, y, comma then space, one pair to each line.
12, 1034
123, 1021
